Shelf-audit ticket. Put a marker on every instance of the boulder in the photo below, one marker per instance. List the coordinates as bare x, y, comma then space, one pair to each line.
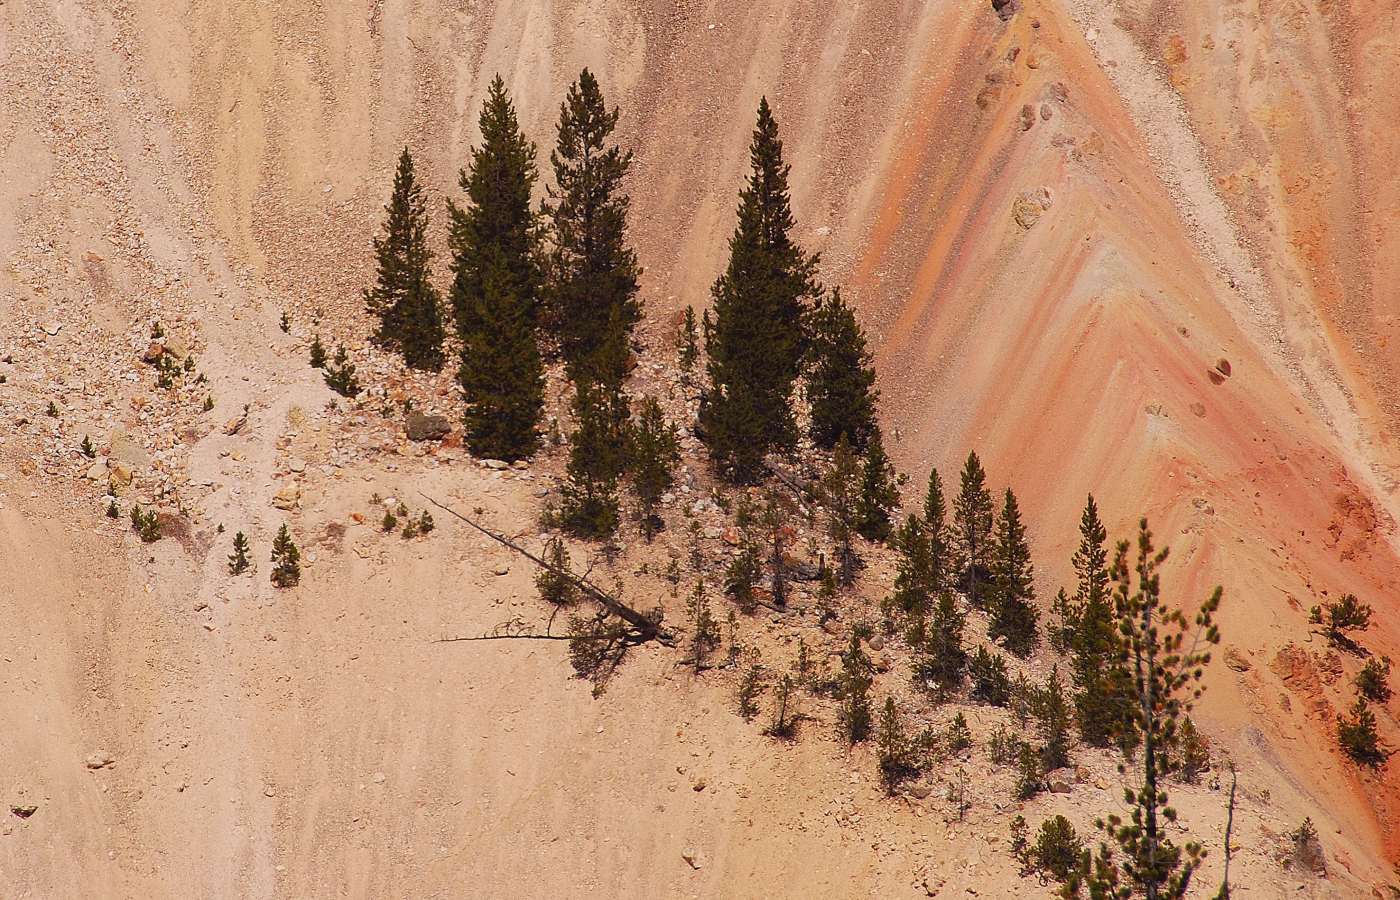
288, 496
119, 477
495, 464
125, 449
97, 471
424, 427
154, 351
99, 760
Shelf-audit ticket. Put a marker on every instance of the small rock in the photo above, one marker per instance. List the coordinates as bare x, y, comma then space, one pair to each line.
1235, 660
120, 476
698, 784
99, 760
1059, 786
692, 856
51, 328
423, 427
377, 778
296, 465
501, 570
877, 642
235, 425
288, 496
97, 471
1029, 206
495, 464
24, 810
154, 351
920, 790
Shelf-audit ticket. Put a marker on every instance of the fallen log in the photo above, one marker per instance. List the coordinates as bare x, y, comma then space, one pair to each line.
645, 627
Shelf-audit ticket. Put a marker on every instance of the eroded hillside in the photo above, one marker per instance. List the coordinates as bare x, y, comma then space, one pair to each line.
1141, 249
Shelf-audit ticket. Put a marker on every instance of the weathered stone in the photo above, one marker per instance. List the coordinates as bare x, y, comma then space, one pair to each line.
424, 427
692, 857
1029, 206
288, 496
97, 471
495, 464
154, 351
125, 449
119, 477
99, 760
1235, 660
235, 425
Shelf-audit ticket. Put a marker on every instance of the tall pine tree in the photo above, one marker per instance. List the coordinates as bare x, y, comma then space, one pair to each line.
495, 284
972, 532
1103, 690
403, 297
598, 455
1013, 612
936, 528
879, 496
755, 343
840, 375
591, 282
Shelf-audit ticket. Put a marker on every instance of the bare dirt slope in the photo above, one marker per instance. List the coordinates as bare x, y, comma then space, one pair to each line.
1139, 249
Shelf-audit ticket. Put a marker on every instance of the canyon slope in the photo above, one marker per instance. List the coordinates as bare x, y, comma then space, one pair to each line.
1146, 250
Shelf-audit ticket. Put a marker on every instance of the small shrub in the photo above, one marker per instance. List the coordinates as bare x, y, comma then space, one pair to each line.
340, 377
52, 410
1373, 681
1029, 776
157, 331
1305, 850
704, 630
87, 448
741, 579
286, 559
238, 561
1341, 617
751, 686
208, 402
112, 511
990, 683
854, 717
596, 646
425, 522
145, 524
189, 363
553, 583
389, 522
1003, 747
958, 737
410, 529
1194, 753
318, 353
784, 725
285, 323
1358, 737
1057, 851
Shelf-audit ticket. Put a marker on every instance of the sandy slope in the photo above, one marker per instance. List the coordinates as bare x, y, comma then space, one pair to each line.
1220, 183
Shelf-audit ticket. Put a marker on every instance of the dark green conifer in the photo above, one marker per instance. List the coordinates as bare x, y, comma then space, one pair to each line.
494, 241
1103, 691
598, 455
972, 533
840, 494
857, 674
655, 452
238, 561
936, 528
942, 659
340, 377
318, 353
1052, 711
690, 344
913, 582
403, 297
841, 375
1013, 612
755, 344
286, 559
879, 496
591, 282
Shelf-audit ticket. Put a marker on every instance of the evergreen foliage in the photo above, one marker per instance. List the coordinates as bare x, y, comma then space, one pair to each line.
553, 582
591, 274
689, 344
1339, 618
340, 377
1373, 681
495, 285
751, 686
1053, 713
936, 528
655, 452
1057, 852
286, 559
879, 496
840, 492
403, 297
913, 581
755, 343
1013, 614
598, 455
1137, 856
942, 659
777, 513
1357, 734
317, 352
840, 376
704, 630
958, 737
238, 561
973, 517
990, 682
854, 717
1193, 758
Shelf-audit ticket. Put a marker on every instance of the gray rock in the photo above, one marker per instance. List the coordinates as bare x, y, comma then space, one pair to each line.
125, 449
495, 464
425, 427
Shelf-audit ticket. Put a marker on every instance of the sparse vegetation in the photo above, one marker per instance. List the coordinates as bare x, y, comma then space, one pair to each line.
340, 375
1340, 618
238, 561
286, 559
704, 630
1373, 681
857, 674
1357, 734
318, 353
